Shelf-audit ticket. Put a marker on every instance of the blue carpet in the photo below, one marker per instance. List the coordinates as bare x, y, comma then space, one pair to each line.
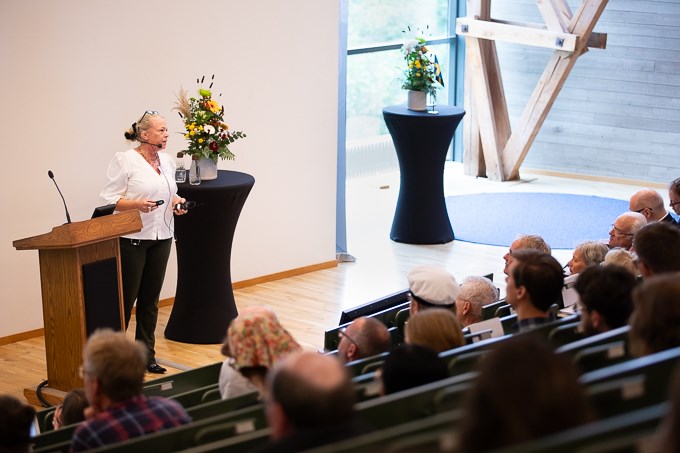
563, 220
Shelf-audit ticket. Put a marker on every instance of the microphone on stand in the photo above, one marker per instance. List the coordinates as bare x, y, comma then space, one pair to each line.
51, 175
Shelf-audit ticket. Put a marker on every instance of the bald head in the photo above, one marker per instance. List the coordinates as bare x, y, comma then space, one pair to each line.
365, 337
525, 241
308, 391
649, 203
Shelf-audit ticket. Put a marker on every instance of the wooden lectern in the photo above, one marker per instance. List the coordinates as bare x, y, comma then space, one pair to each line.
81, 288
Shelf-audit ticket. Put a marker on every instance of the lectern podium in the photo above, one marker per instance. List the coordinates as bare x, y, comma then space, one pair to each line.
81, 288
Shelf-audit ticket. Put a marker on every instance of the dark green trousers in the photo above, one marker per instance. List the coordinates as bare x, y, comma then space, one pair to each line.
143, 264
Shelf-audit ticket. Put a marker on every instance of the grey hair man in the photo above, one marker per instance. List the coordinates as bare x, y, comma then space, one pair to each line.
475, 292
113, 374
525, 241
624, 228
649, 203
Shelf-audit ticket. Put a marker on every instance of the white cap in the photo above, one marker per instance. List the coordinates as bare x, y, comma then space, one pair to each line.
433, 285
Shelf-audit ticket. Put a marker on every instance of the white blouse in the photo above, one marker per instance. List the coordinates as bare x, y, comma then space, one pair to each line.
131, 177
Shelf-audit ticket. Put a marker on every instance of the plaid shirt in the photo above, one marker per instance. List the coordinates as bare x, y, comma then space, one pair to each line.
127, 419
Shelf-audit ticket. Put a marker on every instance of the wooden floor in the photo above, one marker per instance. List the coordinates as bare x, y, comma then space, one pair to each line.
309, 304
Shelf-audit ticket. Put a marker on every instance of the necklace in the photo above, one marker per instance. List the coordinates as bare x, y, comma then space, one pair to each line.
154, 162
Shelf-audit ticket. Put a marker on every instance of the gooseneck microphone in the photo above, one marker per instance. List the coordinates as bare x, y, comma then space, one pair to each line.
158, 145
51, 175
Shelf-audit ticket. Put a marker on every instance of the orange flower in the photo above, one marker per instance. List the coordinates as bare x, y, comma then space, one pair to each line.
213, 106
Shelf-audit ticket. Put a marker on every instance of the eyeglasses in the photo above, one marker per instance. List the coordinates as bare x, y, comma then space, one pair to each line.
640, 210
148, 112
82, 372
621, 233
673, 203
343, 333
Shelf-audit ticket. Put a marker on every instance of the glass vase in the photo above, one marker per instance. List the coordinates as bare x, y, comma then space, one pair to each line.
194, 172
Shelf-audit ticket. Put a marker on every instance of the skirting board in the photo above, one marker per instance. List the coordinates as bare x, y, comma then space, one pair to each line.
169, 301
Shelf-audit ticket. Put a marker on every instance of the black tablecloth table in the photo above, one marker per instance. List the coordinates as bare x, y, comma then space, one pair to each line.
422, 141
204, 301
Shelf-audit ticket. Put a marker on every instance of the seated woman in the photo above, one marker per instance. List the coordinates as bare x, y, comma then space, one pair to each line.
72, 410
255, 341
435, 328
586, 254
623, 258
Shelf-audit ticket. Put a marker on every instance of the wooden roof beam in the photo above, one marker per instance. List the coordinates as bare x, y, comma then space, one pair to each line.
519, 34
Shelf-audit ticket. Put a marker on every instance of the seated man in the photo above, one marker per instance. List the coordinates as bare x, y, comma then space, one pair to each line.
657, 246
310, 403
649, 203
605, 298
363, 338
432, 286
525, 241
624, 228
475, 292
113, 372
534, 283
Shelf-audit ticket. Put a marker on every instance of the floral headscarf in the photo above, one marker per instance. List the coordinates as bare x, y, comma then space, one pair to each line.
255, 339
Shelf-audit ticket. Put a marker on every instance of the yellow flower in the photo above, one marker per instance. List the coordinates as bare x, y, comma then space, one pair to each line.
200, 140
418, 64
418, 74
191, 126
186, 135
192, 133
213, 106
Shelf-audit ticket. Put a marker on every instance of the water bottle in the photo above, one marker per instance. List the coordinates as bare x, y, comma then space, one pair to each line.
194, 172
180, 172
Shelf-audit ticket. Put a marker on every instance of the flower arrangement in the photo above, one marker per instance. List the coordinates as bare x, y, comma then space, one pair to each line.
421, 73
205, 130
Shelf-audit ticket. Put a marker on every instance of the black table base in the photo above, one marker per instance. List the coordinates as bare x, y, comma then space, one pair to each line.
421, 141
204, 301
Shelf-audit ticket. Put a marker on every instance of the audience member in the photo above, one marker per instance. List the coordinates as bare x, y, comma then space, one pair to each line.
411, 365
657, 247
534, 283
624, 229
649, 203
436, 328
364, 337
526, 241
432, 286
656, 315
586, 254
255, 341
475, 292
72, 410
113, 373
524, 391
674, 195
15, 425
310, 403
623, 258
605, 298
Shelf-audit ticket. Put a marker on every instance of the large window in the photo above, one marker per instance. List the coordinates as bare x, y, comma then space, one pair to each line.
376, 31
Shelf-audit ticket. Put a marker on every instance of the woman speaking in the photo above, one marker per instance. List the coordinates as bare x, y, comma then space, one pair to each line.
142, 178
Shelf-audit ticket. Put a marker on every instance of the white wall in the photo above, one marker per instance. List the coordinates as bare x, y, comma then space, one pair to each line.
76, 73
